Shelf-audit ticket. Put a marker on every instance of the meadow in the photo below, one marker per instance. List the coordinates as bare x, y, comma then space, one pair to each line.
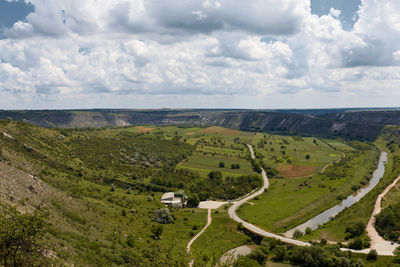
292, 201
295, 156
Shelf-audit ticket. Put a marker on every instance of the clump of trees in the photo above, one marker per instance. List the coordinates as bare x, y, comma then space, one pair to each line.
235, 166
354, 229
388, 222
193, 201
22, 240
163, 216
317, 255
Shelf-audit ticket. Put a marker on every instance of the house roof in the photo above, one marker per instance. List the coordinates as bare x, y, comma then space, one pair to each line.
168, 195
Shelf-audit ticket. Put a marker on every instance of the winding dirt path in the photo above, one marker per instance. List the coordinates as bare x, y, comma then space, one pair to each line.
251, 227
383, 247
329, 164
209, 220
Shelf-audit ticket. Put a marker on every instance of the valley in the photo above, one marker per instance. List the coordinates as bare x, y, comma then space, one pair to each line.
112, 179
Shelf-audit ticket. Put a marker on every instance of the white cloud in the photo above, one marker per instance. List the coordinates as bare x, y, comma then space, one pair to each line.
76, 49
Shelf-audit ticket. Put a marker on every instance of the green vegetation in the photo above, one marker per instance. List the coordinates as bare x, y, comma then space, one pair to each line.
104, 175
22, 238
221, 236
113, 178
297, 156
335, 230
318, 255
290, 202
388, 222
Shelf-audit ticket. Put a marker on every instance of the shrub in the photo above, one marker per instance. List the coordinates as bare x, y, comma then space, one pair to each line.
355, 229
21, 238
308, 230
297, 234
130, 240
162, 216
157, 231
372, 255
193, 201
356, 244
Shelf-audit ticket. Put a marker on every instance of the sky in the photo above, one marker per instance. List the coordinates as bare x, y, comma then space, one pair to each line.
261, 54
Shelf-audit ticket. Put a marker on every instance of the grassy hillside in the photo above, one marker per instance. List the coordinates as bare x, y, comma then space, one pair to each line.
246, 120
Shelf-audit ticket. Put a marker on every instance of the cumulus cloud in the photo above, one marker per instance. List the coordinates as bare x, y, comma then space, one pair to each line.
138, 48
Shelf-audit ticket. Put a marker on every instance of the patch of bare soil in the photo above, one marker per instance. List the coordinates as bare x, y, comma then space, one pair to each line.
295, 171
220, 130
18, 188
142, 129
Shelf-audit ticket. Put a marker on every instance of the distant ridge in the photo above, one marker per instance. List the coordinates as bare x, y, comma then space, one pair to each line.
355, 123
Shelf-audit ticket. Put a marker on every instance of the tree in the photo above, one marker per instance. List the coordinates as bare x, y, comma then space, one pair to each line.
22, 238
297, 234
356, 244
372, 255
355, 229
235, 166
308, 230
193, 201
280, 252
308, 156
162, 216
222, 164
215, 176
157, 231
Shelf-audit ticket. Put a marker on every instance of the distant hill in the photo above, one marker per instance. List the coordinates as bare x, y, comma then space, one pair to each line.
349, 124
380, 117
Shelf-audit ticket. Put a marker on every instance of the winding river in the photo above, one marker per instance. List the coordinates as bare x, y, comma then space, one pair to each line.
326, 216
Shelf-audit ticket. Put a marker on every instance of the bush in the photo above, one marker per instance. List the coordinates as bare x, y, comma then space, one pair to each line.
308, 230
297, 234
355, 229
193, 201
163, 216
157, 231
22, 238
130, 240
235, 166
372, 255
356, 244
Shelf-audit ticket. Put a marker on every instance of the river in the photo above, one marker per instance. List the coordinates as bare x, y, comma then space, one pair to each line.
327, 215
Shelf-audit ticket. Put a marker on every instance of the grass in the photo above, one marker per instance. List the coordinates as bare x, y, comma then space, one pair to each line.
208, 163
290, 202
361, 211
288, 154
381, 261
221, 236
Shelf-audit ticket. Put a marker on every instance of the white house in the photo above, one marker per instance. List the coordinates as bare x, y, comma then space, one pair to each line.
170, 199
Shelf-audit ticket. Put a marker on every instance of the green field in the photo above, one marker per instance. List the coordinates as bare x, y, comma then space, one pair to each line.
290, 202
287, 154
208, 163
334, 230
221, 236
